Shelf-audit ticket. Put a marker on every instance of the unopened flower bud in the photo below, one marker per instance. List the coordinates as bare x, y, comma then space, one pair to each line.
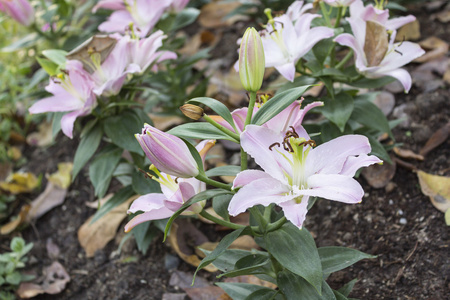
251, 60
191, 111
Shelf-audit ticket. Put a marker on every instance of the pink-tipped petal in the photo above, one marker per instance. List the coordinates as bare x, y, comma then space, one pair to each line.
295, 212
354, 163
334, 187
147, 202
396, 23
247, 176
156, 214
287, 70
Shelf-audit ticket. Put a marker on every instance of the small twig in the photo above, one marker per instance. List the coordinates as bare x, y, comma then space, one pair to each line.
412, 252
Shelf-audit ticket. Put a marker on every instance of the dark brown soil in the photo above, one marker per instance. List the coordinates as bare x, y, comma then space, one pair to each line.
401, 226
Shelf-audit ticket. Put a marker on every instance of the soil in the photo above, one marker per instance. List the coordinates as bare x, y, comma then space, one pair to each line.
399, 225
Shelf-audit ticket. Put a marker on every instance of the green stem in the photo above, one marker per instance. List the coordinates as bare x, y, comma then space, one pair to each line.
213, 182
216, 220
228, 132
251, 105
326, 15
275, 225
244, 160
262, 222
338, 17
344, 60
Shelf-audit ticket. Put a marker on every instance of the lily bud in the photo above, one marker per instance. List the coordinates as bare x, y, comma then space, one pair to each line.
168, 153
20, 10
251, 60
191, 111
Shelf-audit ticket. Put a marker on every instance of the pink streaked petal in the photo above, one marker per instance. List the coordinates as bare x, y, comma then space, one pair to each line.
401, 75
334, 187
56, 103
396, 23
302, 113
348, 40
399, 55
262, 191
354, 163
287, 70
247, 176
156, 214
239, 115
272, 52
295, 212
109, 4
147, 203
303, 24
68, 120
119, 21
374, 14
256, 140
329, 157
310, 38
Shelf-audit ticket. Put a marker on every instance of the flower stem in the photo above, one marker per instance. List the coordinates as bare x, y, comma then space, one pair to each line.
325, 13
213, 182
276, 225
248, 119
243, 160
216, 220
228, 132
338, 17
344, 60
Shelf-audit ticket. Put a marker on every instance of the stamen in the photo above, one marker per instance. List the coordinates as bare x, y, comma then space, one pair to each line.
310, 143
398, 52
274, 144
176, 180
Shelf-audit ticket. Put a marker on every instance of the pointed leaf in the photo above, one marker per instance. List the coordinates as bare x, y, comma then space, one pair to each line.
296, 250
216, 106
199, 130
295, 287
239, 291
121, 196
102, 168
122, 128
223, 171
86, 149
338, 110
334, 259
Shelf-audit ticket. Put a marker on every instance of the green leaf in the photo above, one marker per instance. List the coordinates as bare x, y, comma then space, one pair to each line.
339, 296
338, 110
348, 287
220, 205
295, 287
223, 171
144, 234
226, 261
88, 145
216, 106
378, 149
334, 259
239, 291
197, 198
184, 18
221, 247
17, 244
13, 278
249, 265
102, 168
196, 155
298, 81
56, 56
296, 250
143, 185
275, 105
265, 294
122, 128
26, 41
56, 123
199, 130
49, 67
328, 82
368, 114
119, 197
372, 83
322, 49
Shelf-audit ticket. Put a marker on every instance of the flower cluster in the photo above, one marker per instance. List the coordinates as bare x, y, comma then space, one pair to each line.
75, 89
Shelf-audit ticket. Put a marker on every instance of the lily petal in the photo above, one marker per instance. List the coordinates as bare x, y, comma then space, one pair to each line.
156, 214
295, 212
354, 163
247, 176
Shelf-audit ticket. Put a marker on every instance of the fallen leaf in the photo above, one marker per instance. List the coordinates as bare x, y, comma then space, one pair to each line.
163, 122
252, 279
213, 15
437, 188
435, 48
173, 296
52, 249
95, 236
181, 280
385, 101
405, 153
212, 212
245, 242
204, 293
5, 170
51, 197
408, 32
20, 219
20, 183
440, 136
447, 217
62, 177
14, 153
55, 281
99, 202
443, 16
184, 238
43, 137
378, 176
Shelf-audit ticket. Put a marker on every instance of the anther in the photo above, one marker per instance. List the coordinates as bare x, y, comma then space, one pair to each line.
273, 145
398, 52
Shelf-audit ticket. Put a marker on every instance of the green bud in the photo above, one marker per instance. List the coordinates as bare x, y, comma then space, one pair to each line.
251, 60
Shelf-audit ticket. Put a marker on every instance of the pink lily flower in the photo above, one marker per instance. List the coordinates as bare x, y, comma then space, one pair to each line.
291, 116
295, 171
382, 62
143, 52
167, 152
175, 192
19, 10
371, 13
339, 3
143, 14
285, 42
72, 91
297, 9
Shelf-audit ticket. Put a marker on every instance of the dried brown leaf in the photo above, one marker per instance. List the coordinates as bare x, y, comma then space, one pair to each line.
409, 32
163, 122
437, 188
376, 43
51, 197
213, 15
43, 137
435, 48
204, 293
56, 279
95, 236
440, 136
19, 220
406, 153
5, 170
252, 279
378, 176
